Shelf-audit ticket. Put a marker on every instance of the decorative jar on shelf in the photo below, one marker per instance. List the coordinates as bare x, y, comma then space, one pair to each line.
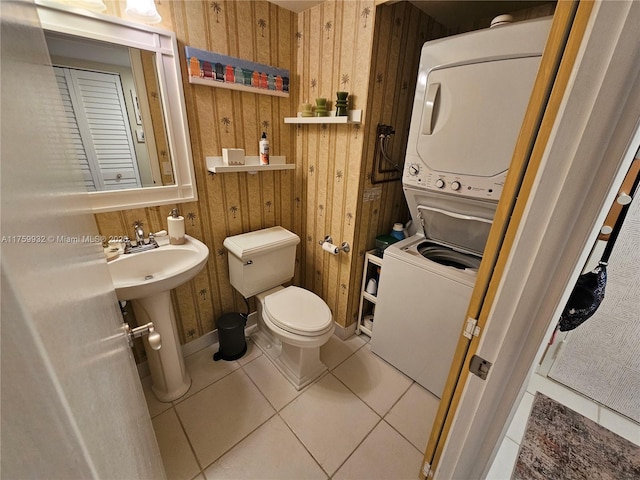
341, 104
321, 107
306, 110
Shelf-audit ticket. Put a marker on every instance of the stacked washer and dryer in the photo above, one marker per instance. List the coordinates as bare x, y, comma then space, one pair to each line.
471, 97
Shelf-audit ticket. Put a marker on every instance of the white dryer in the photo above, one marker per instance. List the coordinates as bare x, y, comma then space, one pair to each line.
471, 96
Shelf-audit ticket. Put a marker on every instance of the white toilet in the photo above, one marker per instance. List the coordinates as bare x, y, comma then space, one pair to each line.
293, 323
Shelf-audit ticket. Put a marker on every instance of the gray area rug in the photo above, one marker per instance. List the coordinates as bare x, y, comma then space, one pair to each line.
561, 444
601, 358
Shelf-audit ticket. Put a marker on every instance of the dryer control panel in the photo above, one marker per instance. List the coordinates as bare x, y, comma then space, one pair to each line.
417, 174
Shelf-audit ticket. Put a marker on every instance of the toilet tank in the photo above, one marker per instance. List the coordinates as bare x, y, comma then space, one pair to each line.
261, 260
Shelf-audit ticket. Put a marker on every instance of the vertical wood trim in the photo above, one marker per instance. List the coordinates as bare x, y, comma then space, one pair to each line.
335, 208
626, 188
567, 31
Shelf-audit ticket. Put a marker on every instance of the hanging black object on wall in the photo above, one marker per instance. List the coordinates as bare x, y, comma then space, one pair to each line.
585, 298
588, 293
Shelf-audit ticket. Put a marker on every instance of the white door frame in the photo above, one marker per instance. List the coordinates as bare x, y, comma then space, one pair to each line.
591, 146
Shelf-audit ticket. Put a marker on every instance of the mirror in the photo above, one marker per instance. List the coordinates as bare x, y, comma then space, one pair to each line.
122, 89
113, 108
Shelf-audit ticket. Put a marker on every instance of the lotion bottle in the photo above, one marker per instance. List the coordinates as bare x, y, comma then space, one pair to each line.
175, 227
264, 149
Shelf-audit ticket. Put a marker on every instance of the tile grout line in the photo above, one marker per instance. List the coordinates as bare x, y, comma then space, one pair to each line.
302, 443
240, 441
184, 431
380, 420
186, 397
401, 397
183, 399
287, 404
382, 417
348, 356
315, 382
241, 367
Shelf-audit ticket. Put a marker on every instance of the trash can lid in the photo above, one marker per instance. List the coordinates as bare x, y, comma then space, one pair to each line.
230, 321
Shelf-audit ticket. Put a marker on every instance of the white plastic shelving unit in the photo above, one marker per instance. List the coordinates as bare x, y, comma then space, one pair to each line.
251, 165
372, 263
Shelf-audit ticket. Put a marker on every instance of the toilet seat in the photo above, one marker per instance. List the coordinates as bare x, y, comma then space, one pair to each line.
284, 309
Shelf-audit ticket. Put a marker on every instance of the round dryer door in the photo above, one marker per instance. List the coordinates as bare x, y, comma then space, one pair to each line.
298, 311
448, 257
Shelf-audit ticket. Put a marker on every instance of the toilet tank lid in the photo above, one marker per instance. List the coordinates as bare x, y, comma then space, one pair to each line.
249, 244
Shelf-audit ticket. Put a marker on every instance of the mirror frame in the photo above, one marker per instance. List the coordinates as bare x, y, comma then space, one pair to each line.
85, 24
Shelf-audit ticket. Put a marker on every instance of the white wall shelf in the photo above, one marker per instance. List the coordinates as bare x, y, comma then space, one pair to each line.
354, 116
251, 165
372, 263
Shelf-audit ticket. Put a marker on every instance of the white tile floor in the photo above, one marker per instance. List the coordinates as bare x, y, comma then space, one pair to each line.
243, 419
362, 419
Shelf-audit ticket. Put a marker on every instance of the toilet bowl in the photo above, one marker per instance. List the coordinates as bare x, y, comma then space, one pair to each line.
293, 323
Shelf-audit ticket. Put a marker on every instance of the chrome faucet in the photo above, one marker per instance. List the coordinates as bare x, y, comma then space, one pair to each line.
137, 227
141, 245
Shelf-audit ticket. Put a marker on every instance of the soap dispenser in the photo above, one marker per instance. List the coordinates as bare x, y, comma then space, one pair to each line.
175, 227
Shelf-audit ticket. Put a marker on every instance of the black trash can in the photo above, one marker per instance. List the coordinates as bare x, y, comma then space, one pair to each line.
231, 337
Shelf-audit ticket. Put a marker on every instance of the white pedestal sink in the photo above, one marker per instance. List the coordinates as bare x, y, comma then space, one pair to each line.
146, 279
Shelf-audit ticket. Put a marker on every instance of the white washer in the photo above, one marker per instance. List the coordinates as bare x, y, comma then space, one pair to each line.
471, 96
424, 290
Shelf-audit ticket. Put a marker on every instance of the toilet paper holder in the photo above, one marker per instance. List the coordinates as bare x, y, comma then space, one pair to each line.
344, 247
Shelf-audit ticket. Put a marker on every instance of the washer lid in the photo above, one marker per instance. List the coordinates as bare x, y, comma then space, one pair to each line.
297, 310
465, 232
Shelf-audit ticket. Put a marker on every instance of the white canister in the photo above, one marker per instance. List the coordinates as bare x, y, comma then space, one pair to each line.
372, 286
175, 228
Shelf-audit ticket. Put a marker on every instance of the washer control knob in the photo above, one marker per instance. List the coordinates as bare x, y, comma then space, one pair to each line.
414, 169
439, 183
455, 185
